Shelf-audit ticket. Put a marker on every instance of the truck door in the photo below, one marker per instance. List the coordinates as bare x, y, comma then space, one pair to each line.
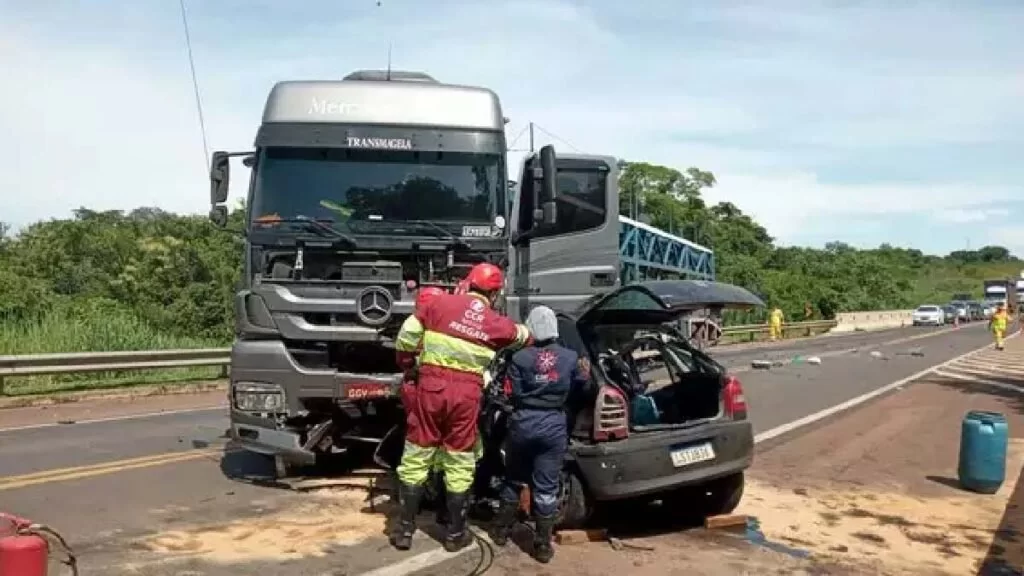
565, 264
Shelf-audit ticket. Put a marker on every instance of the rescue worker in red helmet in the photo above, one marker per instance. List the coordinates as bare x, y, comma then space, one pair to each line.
457, 336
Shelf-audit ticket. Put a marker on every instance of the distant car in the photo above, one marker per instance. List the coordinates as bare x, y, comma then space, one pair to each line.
929, 315
950, 313
975, 311
961, 310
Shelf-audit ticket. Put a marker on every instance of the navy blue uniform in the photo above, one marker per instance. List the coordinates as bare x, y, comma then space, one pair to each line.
540, 380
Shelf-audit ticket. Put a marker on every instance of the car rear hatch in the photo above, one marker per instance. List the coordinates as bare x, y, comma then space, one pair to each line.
668, 412
643, 357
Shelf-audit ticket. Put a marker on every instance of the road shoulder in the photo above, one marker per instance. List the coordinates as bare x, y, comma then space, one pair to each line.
876, 488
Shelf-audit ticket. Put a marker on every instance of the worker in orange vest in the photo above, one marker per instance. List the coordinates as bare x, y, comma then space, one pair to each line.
775, 324
451, 341
998, 325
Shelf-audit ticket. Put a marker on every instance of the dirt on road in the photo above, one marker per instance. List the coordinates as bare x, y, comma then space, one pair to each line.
876, 490
873, 491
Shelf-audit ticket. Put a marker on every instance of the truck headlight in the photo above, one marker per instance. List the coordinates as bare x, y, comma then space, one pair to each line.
258, 396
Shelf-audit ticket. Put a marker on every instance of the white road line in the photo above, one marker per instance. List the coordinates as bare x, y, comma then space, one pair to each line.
437, 556
113, 418
986, 382
822, 414
426, 559
972, 371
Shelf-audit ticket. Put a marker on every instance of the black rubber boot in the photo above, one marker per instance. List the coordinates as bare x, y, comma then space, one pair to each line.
504, 521
458, 536
543, 552
441, 515
409, 498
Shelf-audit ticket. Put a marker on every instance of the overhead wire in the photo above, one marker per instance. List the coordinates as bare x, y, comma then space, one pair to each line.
516, 139
195, 84
556, 137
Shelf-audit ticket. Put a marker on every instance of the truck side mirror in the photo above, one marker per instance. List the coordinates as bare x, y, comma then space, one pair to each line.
220, 174
549, 187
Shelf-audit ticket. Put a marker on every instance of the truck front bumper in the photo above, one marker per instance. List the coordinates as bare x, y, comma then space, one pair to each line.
256, 434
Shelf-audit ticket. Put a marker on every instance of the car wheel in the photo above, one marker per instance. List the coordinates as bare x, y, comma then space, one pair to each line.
575, 507
713, 498
724, 494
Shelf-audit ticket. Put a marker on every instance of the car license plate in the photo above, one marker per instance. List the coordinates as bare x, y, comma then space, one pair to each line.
366, 390
692, 455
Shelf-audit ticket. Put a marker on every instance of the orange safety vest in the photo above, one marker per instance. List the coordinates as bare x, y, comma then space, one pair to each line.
458, 334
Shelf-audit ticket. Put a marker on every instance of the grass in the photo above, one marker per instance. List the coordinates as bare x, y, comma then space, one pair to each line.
93, 329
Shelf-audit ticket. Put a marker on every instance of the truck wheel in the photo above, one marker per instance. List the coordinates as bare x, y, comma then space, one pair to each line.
575, 507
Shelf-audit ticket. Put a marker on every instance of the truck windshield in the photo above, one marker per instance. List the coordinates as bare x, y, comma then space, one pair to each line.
364, 190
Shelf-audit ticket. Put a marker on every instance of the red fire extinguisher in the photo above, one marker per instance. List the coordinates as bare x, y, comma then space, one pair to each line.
25, 547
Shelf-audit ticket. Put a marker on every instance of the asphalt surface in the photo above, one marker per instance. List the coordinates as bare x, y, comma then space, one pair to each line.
114, 515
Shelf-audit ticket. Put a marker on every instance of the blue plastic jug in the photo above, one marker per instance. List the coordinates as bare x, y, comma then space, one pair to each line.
643, 411
983, 443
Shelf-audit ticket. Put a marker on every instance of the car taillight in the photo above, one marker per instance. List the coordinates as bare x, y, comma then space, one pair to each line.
611, 416
733, 400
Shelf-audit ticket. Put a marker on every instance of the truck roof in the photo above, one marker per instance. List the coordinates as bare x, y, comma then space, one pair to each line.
386, 98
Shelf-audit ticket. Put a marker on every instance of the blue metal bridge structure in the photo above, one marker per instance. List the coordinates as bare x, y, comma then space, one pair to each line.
649, 254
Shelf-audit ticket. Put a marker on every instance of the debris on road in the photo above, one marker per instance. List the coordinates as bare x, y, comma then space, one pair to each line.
761, 364
918, 352
568, 537
619, 545
727, 521
814, 360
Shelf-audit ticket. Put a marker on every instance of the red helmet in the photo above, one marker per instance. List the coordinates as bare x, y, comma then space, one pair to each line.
485, 277
426, 294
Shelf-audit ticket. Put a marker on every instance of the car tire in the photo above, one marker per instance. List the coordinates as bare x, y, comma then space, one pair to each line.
575, 507
724, 494
713, 498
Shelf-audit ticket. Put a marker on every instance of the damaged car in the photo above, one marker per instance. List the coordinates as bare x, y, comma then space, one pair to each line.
661, 420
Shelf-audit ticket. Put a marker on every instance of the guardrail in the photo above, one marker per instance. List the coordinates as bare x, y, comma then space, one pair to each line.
86, 362
750, 332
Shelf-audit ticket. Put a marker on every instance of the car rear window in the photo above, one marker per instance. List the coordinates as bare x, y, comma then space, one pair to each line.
927, 309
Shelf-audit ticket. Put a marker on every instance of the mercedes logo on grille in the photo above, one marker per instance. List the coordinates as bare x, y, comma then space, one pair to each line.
373, 306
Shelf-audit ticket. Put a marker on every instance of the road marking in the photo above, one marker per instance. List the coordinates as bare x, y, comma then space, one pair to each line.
822, 414
830, 353
985, 381
429, 558
141, 416
91, 470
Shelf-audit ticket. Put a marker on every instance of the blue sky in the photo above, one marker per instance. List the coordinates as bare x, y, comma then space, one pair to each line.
851, 121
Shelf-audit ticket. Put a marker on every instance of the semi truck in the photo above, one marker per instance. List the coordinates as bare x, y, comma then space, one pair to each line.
363, 190
1002, 290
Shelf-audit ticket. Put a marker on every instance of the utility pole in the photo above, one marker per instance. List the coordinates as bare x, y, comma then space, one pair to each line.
531, 137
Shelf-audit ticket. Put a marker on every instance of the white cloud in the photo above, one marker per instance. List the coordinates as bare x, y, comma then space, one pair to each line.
788, 203
110, 123
966, 215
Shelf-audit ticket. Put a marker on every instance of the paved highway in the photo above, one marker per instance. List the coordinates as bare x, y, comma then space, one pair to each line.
128, 514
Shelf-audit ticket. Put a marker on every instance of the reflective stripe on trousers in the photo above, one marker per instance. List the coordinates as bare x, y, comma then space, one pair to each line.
458, 467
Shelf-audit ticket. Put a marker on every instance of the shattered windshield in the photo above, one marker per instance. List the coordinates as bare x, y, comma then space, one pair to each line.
378, 192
